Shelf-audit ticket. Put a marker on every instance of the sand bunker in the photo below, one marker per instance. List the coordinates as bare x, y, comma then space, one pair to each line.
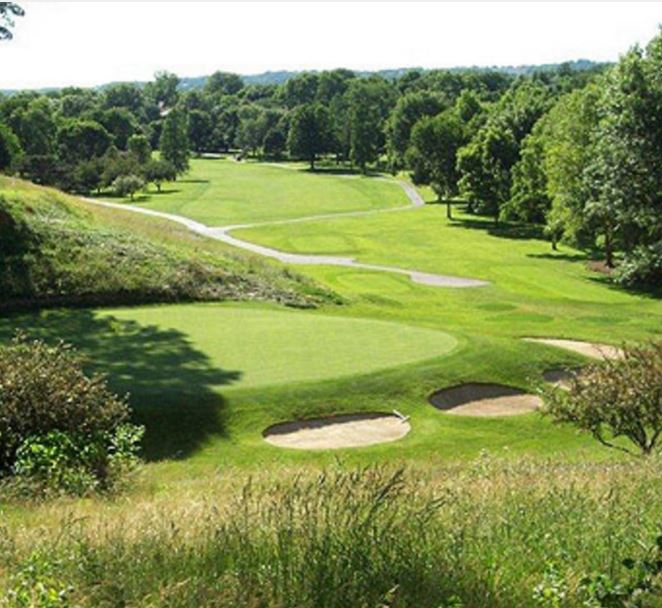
347, 431
559, 377
588, 349
484, 400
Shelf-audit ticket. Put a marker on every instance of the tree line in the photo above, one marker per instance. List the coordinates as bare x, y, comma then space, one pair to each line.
575, 151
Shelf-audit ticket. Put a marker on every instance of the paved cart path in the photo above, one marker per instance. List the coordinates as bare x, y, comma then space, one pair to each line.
223, 234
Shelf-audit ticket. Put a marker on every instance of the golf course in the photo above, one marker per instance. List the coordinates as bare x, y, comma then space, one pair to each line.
207, 379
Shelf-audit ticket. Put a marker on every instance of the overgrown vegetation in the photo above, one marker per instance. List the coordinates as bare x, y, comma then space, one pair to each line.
491, 534
60, 430
56, 250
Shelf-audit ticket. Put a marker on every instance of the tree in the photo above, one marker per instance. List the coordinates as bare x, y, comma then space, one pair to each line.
409, 109
10, 148
120, 123
310, 132
88, 175
300, 90
140, 149
163, 90
127, 184
159, 171
35, 126
432, 154
7, 10
369, 103
223, 83
617, 398
199, 130
79, 140
174, 143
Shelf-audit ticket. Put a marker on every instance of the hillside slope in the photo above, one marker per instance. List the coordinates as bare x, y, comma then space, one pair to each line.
59, 250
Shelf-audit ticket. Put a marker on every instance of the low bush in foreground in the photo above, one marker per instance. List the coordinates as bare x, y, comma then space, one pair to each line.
616, 398
490, 535
60, 430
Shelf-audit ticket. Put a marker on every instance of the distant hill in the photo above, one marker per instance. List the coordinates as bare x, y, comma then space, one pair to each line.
281, 76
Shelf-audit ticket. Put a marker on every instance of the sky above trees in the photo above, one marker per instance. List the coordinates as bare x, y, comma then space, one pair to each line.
88, 43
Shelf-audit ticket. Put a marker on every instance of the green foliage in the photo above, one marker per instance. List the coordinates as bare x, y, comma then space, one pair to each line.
10, 148
127, 185
619, 398
174, 143
140, 149
642, 267
81, 140
159, 171
36, 585
310, 132
42, 389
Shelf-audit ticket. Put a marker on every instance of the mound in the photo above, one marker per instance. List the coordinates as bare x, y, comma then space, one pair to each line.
484, 400
347, 431
58, 250
593, 350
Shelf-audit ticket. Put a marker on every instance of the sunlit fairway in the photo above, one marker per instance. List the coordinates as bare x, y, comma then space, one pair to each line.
224, 192
207, 379
258, 347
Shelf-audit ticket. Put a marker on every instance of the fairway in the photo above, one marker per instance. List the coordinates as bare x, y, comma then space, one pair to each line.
267, 347
224, 192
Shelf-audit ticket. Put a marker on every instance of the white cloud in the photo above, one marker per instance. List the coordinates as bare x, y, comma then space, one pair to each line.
87, 43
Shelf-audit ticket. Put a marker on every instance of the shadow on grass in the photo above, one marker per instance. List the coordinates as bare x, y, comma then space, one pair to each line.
504, 230
193, 181
171, 384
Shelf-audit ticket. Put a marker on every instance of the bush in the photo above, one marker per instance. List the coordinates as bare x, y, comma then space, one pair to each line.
642, 268
616, 398
58, 426
127, 185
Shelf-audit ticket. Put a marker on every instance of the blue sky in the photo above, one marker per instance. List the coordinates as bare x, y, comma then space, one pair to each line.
88, 43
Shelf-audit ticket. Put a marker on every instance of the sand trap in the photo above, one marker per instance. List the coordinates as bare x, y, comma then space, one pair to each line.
559, 377
347, 431
588, 349
484, 400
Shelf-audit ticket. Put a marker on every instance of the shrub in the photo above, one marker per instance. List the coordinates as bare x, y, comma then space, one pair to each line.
159, 171
617, 398
63, 428
642, 268
127, 185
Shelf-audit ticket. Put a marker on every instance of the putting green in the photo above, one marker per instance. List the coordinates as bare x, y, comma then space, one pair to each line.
265, 347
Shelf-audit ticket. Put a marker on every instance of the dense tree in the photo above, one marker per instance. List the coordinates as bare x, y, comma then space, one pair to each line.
432, 154
128, 185
35, 126
310, 132
199, 130
300, 90
410, 108
10, 148
369, 104
80, 140
159, 171
120, 123
126, 96
140, 149
163, 90
174, 143
223, 83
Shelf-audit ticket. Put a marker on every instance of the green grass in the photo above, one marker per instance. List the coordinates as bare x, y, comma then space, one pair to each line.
486, 507
58, 250
224, 192
267, 347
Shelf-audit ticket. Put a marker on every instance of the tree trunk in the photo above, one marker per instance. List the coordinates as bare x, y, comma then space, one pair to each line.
312, 163
449, 210
609, 253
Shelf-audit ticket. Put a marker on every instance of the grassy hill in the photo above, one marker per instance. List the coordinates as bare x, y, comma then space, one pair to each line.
58, 250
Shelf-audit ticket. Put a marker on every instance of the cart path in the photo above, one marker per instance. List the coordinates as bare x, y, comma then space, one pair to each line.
223, 234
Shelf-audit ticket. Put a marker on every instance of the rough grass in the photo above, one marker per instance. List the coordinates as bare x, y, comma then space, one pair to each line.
482, 536
56, 249
223, 192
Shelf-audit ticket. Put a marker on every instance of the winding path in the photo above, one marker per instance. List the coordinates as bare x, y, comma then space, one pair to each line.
223, 234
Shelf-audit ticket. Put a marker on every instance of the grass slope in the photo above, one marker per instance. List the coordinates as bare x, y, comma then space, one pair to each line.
223, 192
56, 249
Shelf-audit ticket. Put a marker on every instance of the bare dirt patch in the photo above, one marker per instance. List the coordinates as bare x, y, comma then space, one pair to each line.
593, 350
484, 400
334, 432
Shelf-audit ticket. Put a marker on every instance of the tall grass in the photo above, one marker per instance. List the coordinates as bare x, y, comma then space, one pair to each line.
480, 536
